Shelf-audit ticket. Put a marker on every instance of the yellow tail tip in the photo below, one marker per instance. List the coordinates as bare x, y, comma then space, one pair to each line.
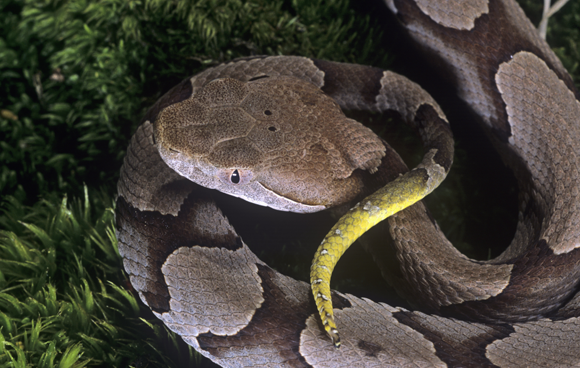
333, 334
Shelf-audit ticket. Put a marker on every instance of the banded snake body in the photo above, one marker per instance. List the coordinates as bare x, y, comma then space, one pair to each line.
270, 130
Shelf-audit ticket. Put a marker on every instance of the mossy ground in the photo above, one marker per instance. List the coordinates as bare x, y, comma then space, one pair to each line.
75, 77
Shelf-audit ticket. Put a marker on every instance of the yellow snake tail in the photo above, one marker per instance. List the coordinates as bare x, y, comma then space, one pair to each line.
390, 199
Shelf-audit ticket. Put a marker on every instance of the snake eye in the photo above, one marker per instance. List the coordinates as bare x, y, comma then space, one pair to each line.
231, 177
235, 177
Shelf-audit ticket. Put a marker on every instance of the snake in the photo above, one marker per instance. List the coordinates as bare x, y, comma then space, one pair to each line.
270, 130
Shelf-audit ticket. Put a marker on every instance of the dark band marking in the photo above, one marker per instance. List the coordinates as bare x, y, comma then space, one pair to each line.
158, 235
541, 283
493, 40
365, 80
273, 324
467, 353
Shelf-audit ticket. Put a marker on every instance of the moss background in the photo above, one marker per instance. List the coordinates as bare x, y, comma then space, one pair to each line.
75, 78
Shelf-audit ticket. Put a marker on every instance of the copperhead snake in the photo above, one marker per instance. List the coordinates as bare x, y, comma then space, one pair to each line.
232, 128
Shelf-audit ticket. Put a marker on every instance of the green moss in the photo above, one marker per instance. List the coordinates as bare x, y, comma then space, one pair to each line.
563, 32
564, 37
63, 299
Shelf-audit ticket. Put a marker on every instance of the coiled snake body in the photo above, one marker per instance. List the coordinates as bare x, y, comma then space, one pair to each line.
262, 129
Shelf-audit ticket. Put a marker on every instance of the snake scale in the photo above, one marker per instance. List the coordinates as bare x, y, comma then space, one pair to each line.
270, 130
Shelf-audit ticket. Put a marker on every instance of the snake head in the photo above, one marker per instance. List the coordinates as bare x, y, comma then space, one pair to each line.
275, 141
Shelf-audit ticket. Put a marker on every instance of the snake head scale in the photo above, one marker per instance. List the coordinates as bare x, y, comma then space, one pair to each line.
274, 141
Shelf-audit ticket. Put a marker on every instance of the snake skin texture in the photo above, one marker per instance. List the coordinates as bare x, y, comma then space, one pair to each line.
190, 266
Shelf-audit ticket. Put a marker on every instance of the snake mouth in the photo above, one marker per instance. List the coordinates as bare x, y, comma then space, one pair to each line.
283, 202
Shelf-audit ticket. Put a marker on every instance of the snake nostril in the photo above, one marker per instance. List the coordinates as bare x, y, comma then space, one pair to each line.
272, 128
267, 112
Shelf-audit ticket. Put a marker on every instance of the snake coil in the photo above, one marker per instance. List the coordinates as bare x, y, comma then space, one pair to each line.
271, 131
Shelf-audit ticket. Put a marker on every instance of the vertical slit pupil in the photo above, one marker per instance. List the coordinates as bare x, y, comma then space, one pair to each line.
235, 178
